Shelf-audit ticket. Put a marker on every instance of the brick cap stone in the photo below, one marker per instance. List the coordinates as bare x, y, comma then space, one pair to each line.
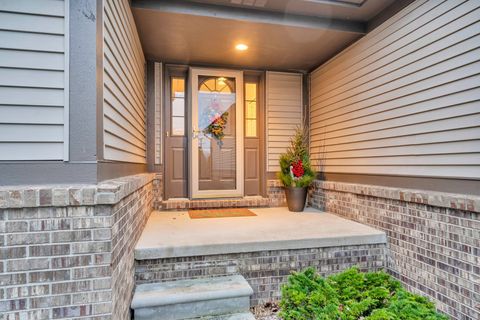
431, 198
106, 192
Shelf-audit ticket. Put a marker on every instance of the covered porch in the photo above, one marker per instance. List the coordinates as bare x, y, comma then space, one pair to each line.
227, 85
263, 248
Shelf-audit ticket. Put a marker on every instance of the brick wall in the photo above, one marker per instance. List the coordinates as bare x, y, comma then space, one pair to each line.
275, 198
158, 191
265, 271
434, 238
276, 193
67, 251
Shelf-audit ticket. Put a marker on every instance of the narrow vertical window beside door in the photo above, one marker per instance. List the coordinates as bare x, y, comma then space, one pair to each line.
178, 106
250, 110
252, 153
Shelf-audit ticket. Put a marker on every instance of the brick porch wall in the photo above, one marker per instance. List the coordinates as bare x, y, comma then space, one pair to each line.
158, 191
276, 193
434, 238
67, 251
265, 271
275, 198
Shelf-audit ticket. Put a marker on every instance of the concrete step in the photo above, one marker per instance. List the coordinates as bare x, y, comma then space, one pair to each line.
185, 204
235, 316
186, 299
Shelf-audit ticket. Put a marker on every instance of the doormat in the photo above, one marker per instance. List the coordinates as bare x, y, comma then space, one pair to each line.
220, 213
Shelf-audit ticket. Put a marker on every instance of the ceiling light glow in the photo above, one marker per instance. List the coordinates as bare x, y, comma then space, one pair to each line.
241, 47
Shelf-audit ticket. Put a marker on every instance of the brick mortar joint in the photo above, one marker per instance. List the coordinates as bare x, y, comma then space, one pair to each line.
109, 192
432, 198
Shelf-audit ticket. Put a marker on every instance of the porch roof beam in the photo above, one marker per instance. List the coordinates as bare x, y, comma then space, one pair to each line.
251, 15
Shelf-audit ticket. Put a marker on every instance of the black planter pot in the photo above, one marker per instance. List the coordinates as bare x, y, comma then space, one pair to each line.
296, 198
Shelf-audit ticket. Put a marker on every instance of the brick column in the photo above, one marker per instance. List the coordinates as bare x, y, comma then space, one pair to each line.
67, 251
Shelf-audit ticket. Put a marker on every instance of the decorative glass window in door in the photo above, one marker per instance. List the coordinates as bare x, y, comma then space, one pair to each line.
216, 133
216, 103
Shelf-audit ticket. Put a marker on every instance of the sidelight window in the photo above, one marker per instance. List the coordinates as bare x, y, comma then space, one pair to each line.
178, 106
251, 110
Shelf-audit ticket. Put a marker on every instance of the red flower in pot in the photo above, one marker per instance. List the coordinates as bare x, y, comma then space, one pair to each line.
297, 169
296, 172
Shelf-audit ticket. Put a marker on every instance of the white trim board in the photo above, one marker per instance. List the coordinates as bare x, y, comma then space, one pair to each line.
194, 177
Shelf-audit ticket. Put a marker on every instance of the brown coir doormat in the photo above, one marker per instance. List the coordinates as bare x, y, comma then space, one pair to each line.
220, 213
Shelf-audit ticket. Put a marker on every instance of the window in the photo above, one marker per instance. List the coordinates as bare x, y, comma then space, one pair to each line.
178, 106
250, 110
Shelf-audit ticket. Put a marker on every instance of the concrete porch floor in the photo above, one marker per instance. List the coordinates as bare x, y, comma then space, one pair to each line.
173, 234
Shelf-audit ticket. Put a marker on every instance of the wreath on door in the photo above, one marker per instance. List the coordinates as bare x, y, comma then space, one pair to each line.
217, 122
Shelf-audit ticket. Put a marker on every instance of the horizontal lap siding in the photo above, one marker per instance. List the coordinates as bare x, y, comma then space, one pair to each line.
405, 99
33, 80
124, 105
284, 113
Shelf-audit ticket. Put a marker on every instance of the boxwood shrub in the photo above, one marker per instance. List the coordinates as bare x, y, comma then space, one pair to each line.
352, 295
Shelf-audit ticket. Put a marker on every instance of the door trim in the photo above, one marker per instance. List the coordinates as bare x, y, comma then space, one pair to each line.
170, 71
193, 159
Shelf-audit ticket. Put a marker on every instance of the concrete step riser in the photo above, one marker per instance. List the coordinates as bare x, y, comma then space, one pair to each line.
175, 205
195, 309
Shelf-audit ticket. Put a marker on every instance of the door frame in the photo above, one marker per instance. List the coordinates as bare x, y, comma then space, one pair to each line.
195, 193
170, 71
258, 77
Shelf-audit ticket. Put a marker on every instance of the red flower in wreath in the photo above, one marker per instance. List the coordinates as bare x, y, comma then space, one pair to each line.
297, 169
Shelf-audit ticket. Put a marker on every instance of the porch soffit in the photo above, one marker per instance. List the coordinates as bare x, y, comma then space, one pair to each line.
204, 32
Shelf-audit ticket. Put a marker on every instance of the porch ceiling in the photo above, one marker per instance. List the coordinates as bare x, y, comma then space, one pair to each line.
281, 34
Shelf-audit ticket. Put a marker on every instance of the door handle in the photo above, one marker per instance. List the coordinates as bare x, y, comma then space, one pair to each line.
195, 133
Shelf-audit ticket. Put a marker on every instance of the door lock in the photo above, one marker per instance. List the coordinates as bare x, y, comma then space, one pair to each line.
195, 133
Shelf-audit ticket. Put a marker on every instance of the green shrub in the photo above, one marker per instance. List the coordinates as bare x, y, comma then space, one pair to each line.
352, 295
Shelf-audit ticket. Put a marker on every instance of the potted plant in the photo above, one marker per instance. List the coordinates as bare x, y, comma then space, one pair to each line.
296, 173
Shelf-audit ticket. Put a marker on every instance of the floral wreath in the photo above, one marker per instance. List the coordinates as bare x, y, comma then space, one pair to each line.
217, 121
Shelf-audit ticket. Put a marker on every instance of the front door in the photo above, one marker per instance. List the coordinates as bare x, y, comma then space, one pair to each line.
217, 133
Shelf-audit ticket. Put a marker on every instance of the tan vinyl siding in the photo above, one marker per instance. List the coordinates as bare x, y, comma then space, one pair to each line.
403, 100
124, 106
33, 80
158, 76
284, 113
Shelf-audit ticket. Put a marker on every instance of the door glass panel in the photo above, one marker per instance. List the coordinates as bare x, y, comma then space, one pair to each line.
250, 110
178, 106
216, 133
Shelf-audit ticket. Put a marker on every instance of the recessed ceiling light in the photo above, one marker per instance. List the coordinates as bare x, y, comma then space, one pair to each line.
241, 47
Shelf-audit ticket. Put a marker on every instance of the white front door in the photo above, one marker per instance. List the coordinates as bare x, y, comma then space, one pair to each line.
216, 137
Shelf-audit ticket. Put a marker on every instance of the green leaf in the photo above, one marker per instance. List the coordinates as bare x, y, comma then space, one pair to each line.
352, 295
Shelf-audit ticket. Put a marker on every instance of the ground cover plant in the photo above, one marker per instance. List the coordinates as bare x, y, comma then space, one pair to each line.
352, 295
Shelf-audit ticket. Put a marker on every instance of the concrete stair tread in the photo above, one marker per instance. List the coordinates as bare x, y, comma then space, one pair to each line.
233, 316
186, 291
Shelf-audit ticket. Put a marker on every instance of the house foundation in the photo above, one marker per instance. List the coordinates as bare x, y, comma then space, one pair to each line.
265, 248
433, 238
265, 271
275, 197
67, 251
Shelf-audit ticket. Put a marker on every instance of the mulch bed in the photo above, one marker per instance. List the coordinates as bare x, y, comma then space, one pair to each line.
267, 311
